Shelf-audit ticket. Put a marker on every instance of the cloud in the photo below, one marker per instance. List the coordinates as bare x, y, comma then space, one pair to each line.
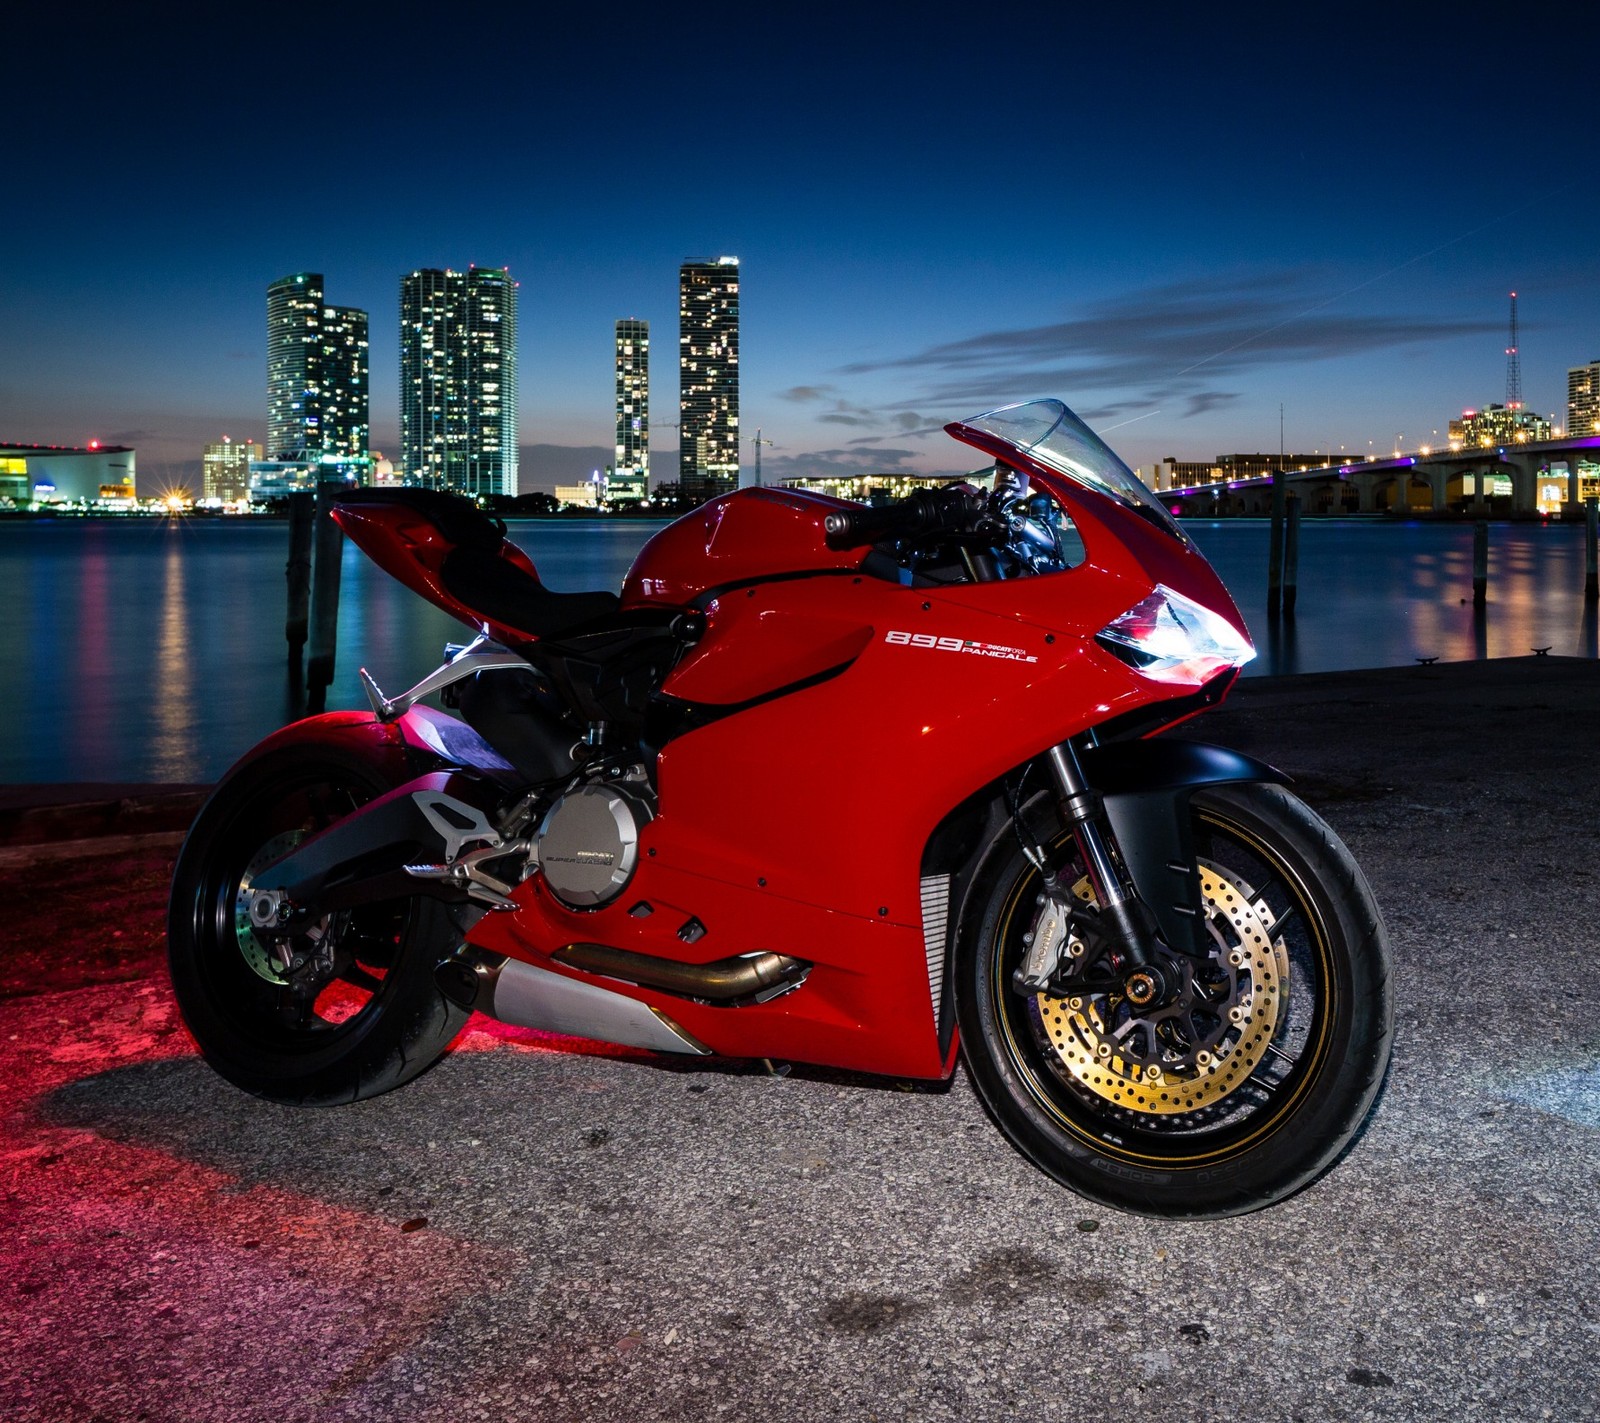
857, 458
1206, 400
844, 412
1164, 343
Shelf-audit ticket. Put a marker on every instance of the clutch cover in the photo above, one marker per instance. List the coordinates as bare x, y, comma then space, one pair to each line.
588, 844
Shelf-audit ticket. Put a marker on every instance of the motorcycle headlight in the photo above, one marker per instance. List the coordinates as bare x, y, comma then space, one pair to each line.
1170, 638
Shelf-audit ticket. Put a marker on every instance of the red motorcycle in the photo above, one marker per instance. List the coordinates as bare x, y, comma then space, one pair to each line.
830, 784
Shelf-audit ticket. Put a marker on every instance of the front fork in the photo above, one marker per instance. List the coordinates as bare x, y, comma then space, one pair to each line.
1119, 915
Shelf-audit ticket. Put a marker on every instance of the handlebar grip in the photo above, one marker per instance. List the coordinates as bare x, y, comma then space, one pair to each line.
925, 512
850, 528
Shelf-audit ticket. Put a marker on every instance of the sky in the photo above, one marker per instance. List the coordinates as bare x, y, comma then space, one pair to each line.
1177, 219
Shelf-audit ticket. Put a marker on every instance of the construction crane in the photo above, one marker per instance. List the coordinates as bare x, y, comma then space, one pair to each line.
1513, 365
758, 442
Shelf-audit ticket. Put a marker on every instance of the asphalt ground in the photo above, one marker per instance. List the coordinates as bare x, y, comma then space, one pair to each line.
535, 1230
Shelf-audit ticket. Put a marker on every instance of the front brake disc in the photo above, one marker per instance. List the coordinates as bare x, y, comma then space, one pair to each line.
1092, 1046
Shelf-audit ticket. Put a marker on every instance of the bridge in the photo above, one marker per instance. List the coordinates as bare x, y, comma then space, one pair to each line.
1428, 482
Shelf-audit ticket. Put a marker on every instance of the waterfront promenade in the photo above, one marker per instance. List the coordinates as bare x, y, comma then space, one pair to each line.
537, 1230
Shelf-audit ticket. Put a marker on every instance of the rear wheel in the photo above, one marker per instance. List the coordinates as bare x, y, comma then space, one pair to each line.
345, 1008
1249, 1088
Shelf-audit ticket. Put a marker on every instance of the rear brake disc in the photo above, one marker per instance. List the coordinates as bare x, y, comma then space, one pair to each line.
258, 953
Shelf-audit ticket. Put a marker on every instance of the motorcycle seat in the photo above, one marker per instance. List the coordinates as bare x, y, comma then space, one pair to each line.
513, 597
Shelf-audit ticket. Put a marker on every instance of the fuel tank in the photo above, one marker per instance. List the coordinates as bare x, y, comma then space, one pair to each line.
744, 537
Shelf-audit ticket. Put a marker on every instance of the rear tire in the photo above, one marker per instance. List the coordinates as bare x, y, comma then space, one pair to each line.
1287, 1093
372, 1017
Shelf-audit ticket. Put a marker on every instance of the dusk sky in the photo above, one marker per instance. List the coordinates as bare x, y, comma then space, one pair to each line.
1174, 221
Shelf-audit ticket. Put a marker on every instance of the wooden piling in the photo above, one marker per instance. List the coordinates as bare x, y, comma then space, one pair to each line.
298, 573
1480, 563
329, 544
1591, 550
1291, 556
1275, 547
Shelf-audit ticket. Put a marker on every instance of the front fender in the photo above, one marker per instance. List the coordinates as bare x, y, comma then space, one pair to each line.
1144, 767
1147, 786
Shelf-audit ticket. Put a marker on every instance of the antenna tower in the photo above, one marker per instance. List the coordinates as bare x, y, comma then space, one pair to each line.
1513, 364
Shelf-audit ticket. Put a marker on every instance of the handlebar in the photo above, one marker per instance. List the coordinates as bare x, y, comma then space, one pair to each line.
928, 511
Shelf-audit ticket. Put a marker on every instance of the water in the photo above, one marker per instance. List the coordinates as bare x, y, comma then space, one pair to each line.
1375, 594
153, 651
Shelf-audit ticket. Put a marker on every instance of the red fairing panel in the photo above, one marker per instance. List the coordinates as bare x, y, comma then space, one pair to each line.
840, 784
866, 1006
749, 534
797, 825
755, 649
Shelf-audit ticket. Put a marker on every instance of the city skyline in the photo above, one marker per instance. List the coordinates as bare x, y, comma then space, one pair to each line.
1222, 217
225, 469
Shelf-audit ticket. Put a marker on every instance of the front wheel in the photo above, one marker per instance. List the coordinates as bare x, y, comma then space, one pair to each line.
1252, 1091
346, 1008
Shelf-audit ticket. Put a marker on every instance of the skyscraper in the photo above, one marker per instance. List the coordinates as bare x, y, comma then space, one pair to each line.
317, 367
458, 380
343, 378
708, 378
225, 469
1583, 400
630, 477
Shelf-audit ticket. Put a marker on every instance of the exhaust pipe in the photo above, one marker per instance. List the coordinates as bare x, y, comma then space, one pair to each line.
529, 997
755, 977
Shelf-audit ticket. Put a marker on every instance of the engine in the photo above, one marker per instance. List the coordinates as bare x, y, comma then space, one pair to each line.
587, 845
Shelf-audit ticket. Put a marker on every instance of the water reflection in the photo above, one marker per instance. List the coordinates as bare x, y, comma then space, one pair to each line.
1278, 654
1374, 594
173, 755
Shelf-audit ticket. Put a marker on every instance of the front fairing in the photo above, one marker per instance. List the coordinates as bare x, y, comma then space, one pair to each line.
1126, 533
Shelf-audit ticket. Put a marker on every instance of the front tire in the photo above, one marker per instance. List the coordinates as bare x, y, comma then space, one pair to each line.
1301, 965
362, 1013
